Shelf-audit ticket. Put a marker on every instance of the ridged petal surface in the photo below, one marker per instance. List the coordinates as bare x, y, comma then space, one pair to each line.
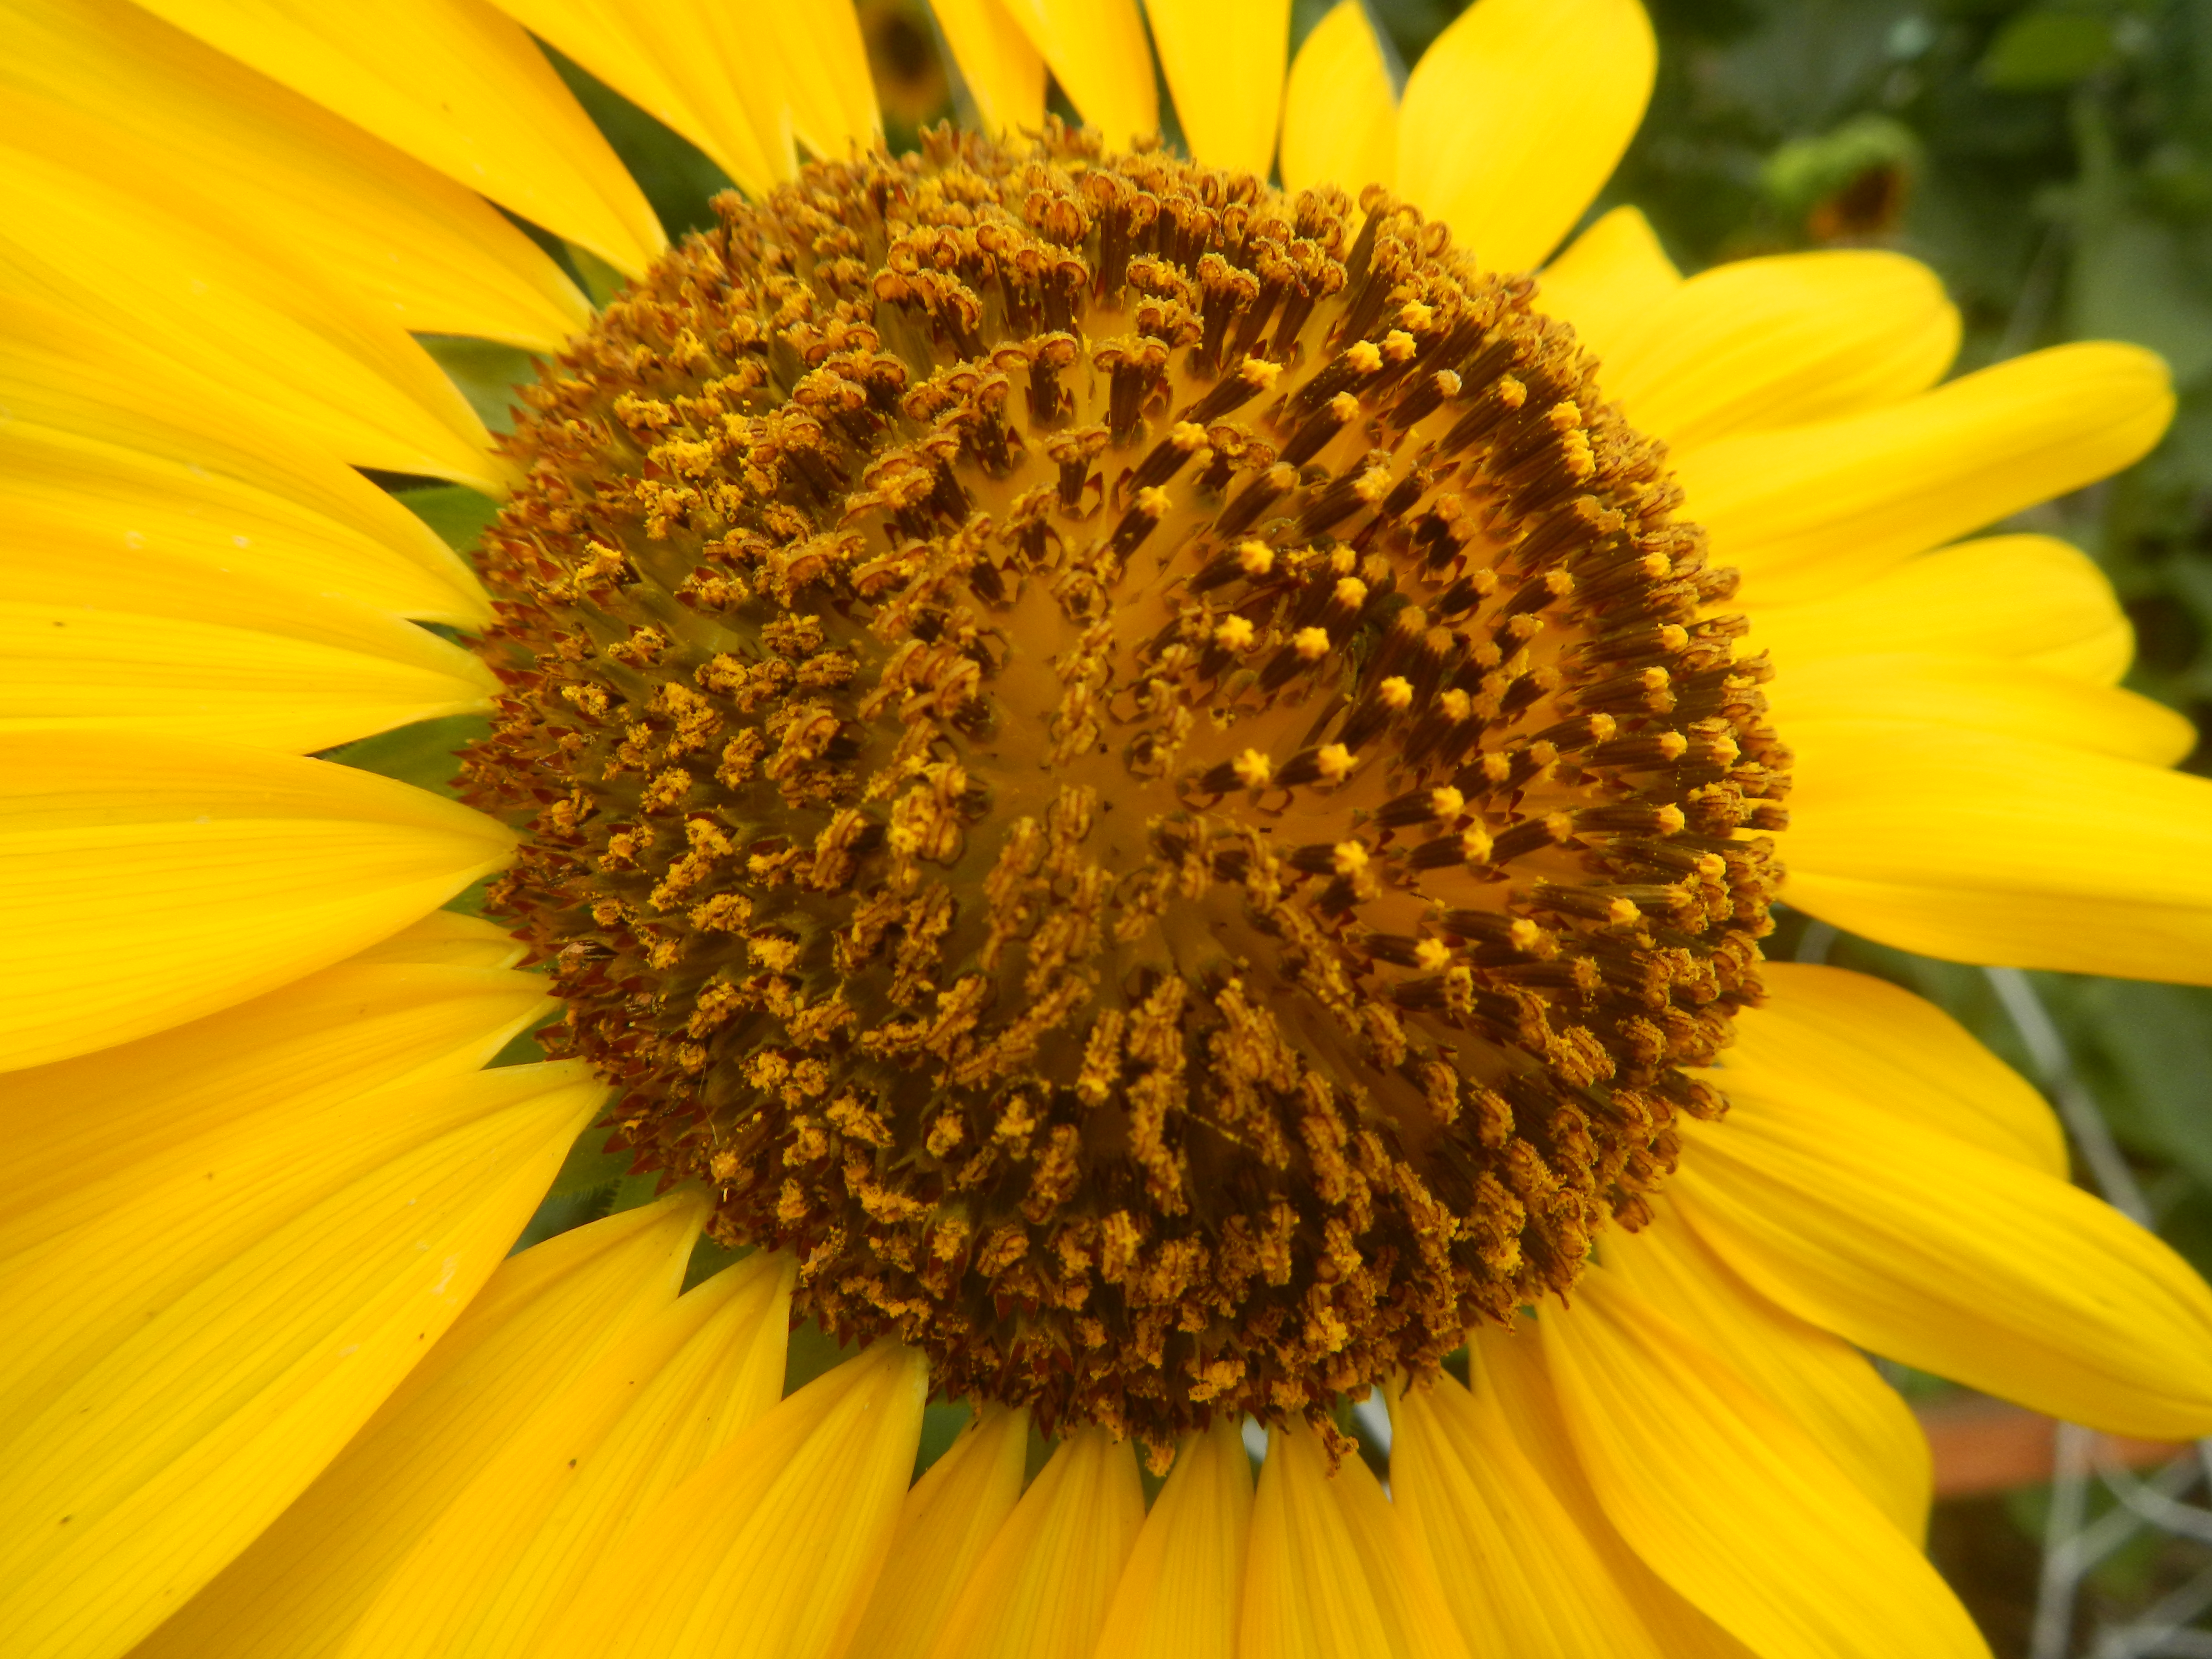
1755, 344
1608, 282
1003, 69
456, 84
2031, 600
946, 1525
1224, 61
99, 416
1730, 1500
1986, 846
155, 1466
1339, 116
770, 1550
539, 1323
1515, 116
1802, 508
1095, 49
152, 881
142, 104
1041, 1591
1927, 1249
1181, 1593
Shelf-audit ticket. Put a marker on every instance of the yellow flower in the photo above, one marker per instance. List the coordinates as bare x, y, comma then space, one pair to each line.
1155, 786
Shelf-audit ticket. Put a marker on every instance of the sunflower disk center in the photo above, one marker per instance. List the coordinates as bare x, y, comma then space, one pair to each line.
1133, 768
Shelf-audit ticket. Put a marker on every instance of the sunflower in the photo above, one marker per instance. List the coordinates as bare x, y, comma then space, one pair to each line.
1153, 795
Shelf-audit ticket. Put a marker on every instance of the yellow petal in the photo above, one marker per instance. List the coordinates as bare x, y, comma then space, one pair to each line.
820, 68
1514, 117
150, 882
454, 84
96, 413
1974, 695
1004, 71
1927, 1249
1180, 1596
1758, 344
229, 1107
1988, 848
541, 1322
446, 939
1042, 1587
212, 1137
73, 668
747, 81
944, 1526
1333, 1569
1224, 61
1890, 1052
2031, 600
1727, 1499
669, 61
489, 1576
1607, 281
1799, 510
1818, 1381
136, 1484
86, 526
1339, 116
770, 1548
1095, 49
1508, 1371
1503, 1535
173, 287
123, 95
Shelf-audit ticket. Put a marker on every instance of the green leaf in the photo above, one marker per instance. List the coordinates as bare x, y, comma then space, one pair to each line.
812, 1351
590, 1166
709, 1258
457, 513
2045, 50
424, 754
602, 282
486, 372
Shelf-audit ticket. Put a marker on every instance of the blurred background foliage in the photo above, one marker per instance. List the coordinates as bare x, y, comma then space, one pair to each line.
2052, 161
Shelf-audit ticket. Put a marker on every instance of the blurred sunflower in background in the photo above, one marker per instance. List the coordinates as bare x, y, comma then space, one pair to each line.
1147, 794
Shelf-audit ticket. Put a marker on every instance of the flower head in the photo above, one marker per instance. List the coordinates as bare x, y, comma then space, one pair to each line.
1158, 789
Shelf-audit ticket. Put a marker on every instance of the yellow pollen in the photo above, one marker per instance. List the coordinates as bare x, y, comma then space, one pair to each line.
1311, 643
1253, 769
1235, 634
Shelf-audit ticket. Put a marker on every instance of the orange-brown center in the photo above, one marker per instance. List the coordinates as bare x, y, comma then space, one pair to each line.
1134, 767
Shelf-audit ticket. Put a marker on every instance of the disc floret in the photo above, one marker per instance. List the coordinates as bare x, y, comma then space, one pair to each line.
1135, 768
